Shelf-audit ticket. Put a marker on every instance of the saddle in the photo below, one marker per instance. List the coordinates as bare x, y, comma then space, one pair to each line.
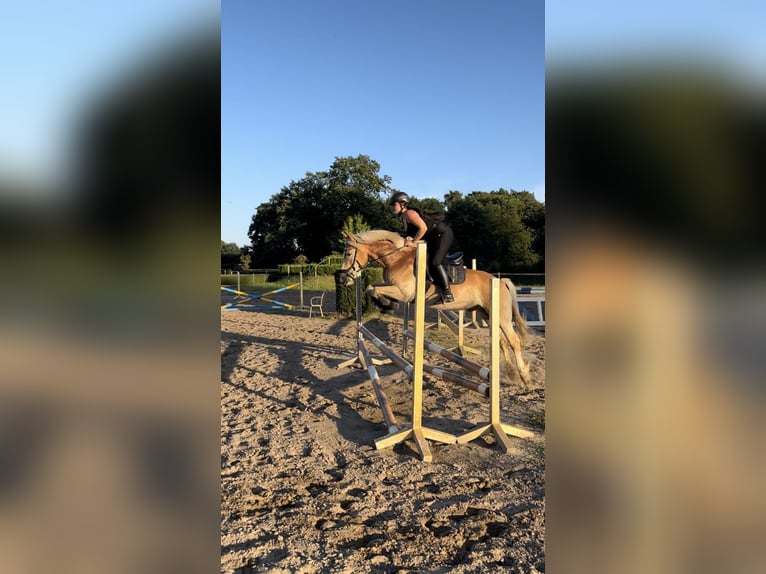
455, 268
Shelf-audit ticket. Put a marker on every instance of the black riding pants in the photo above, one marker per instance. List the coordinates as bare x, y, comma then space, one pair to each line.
438, 241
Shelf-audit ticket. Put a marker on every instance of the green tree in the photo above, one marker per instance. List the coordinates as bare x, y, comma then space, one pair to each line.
494, 228
230, 254
532, 213
428, 205
355, 224
307, 216
452, 197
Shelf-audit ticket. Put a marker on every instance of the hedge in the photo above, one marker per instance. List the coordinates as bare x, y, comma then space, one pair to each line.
345, 295
308, 268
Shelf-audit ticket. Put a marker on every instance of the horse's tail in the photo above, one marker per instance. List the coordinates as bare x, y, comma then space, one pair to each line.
518, 318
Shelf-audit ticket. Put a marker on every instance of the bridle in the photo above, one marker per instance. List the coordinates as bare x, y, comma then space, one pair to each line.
356, 268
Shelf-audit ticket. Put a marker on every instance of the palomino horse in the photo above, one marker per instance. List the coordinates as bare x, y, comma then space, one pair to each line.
388, 249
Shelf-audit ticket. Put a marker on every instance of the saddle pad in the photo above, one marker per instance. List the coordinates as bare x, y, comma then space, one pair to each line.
456, 274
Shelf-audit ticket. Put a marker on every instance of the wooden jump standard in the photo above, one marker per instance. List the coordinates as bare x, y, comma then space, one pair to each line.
456, 324
494, 425
416, 430
455, 321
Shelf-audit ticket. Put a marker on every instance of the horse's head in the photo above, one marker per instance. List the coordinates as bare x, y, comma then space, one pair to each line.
355, 257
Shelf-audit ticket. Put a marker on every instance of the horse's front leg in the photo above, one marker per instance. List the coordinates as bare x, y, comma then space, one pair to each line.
385, 296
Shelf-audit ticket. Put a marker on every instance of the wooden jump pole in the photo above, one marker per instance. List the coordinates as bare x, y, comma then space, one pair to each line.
483, 372
474, 321
396, 359
481, 388
367, 362
300, 279
385, 407
405, 326
437, 372
236, 306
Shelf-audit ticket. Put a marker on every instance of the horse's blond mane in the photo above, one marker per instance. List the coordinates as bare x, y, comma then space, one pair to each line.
380, 235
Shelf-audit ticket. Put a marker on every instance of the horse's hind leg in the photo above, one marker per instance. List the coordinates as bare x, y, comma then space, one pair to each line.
512, 339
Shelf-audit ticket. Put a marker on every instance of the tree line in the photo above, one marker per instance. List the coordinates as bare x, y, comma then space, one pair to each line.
504, 230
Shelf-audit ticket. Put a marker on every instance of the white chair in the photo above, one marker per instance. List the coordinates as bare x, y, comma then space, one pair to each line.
316, 303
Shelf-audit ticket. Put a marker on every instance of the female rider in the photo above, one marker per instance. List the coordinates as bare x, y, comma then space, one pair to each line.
437, 235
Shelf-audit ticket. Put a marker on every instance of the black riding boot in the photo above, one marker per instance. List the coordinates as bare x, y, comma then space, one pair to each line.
441, 278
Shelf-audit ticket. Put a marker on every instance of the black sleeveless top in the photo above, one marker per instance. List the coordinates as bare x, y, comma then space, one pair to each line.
431, 222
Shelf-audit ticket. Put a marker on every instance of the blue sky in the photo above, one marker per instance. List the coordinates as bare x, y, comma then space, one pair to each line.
55, 58
731, 33
444, 95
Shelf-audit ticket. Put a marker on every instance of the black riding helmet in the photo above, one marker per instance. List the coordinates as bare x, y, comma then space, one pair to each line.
399, 197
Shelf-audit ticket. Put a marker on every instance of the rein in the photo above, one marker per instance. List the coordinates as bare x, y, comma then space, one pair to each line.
382, 256
370, 261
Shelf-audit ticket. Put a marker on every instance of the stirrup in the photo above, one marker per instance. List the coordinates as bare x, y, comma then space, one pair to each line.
447, 296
